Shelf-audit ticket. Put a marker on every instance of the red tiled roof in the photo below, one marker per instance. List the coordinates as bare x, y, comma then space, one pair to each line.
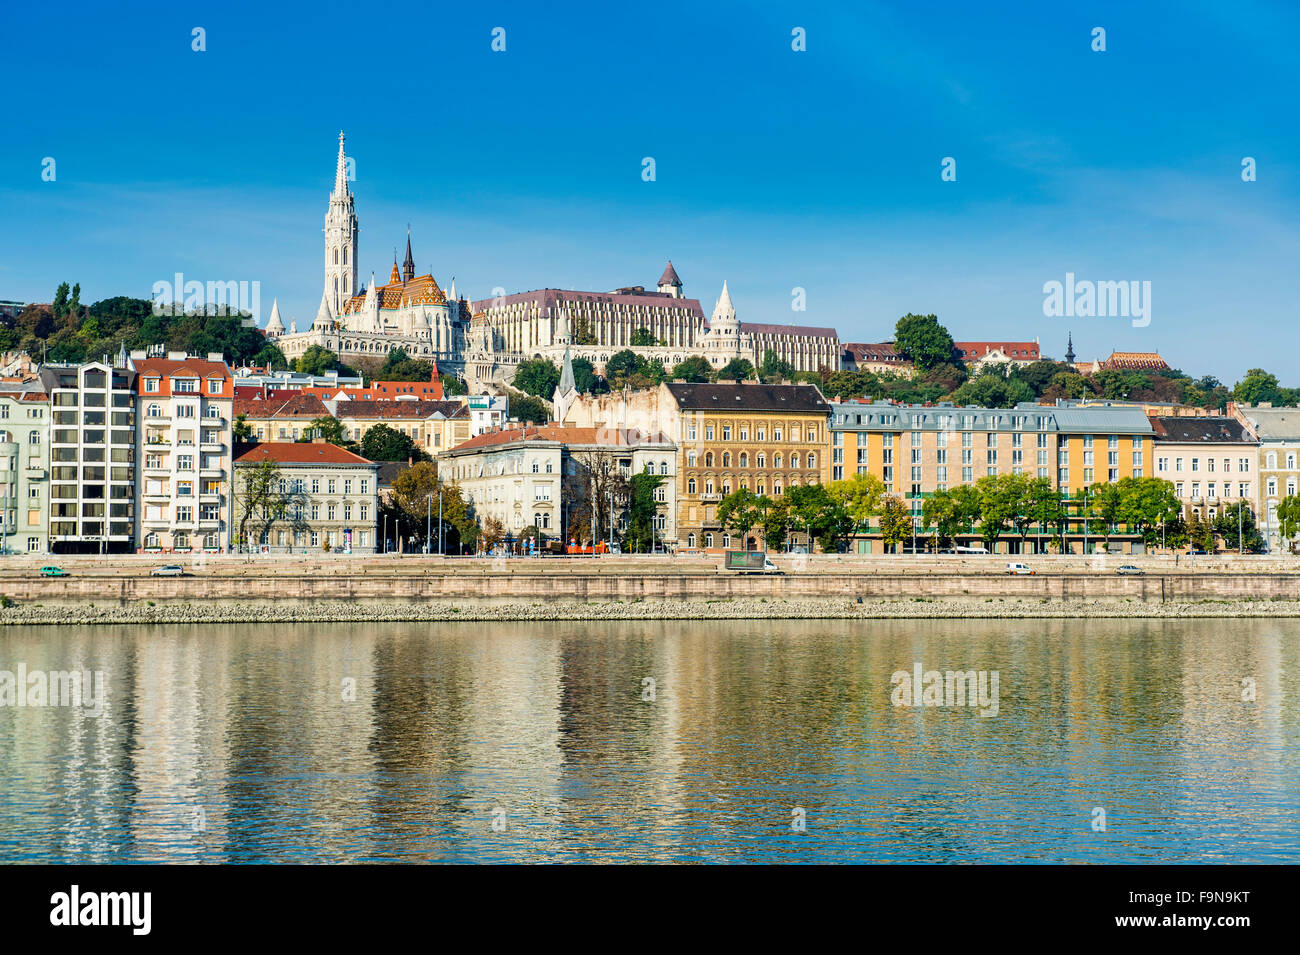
297, 406
670, 275
883, 351
1021, 350
301, 452
169, 368
1135, 359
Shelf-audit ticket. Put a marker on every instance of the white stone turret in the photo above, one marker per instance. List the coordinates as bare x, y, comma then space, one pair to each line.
341, 238
324, 314
274, 326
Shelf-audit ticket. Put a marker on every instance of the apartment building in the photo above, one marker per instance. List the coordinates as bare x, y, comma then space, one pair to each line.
1277, 463
92, 457
184, 462
530, 474
24, 466
916, 450
279, 420
325, 498
434, 426
1213, 462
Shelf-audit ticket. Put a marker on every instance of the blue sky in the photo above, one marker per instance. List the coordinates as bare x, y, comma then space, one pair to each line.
775, 169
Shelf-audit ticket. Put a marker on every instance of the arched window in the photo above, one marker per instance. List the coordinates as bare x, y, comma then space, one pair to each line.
708, 485
761, 460
794, 460
744, 459
812, 459
663, 467
776, 460
690, 540
690, 460
708, 459
690, 486
1271, 460
726, 459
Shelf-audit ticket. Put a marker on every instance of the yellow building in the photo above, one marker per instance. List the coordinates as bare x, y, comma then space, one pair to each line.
916, 450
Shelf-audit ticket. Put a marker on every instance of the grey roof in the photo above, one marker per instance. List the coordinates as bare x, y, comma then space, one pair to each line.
747, 397
1210, 429
945, 416
1274, 424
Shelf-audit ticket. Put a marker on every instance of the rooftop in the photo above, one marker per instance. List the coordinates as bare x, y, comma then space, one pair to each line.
301, 452
747, 397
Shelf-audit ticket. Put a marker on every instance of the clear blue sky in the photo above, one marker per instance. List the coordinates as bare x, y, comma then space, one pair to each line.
775, 169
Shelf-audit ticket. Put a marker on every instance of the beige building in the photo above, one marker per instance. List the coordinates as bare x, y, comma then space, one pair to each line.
434, 426
330, 499
1213, 462
24, 466
1277, 463
528, 474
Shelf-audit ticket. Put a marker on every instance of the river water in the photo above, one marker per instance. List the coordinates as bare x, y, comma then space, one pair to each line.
739, 741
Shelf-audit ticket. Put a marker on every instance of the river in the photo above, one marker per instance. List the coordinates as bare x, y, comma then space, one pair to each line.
727, 741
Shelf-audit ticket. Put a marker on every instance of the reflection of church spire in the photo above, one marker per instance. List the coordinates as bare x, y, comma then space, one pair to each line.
1069, 349
408, 267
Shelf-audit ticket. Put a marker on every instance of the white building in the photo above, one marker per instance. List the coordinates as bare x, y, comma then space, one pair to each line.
184, 465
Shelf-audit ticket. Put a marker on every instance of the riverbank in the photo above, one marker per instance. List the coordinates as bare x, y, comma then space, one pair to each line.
451, 611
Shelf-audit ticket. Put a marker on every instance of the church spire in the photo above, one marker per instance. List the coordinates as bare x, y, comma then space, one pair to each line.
341, 173
408, 267
1069, 349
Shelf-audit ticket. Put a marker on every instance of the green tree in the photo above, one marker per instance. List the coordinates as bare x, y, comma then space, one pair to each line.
738, 369
741, 511
694, 369
240, 429
399, 366
1235, 525
624, 364
642, 338
776, 522
923, 340
895, 522
1288, 518
860, 496
1147, 505
327, 427
60, 303
317, 360
1105, 504
382, 443
528, 408
1257, 386
642, 510
538, 377
949, 513
271, 357
585, 379
999, 499
773, 368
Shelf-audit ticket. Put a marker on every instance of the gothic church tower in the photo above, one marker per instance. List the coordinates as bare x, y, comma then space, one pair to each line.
340, 240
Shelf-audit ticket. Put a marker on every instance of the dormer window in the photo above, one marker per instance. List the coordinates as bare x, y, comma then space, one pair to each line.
151, 384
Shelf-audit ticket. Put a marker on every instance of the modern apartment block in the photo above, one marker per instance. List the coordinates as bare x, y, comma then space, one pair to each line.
92, 457
24, 466
326, 498
917, 450
184, 410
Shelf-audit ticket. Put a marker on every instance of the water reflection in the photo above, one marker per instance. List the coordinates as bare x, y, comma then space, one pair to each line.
390, 741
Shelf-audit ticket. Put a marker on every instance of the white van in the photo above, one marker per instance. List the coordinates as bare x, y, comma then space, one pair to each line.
1018, 568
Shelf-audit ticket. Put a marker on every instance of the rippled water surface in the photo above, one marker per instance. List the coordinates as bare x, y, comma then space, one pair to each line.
246, 743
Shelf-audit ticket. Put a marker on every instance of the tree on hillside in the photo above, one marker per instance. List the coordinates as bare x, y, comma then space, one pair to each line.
585, 379
1257, 386
317, 360
773, 368
537, 377
738, 369
643, 338
399, 366
694, 369
528, 408
921, 339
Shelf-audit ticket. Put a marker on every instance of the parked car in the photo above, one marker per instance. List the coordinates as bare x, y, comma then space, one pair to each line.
168, 570
1129, 569
52, 571
1018, 568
